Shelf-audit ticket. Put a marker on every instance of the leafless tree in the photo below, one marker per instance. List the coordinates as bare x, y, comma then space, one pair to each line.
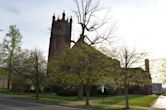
86, 14
128, 59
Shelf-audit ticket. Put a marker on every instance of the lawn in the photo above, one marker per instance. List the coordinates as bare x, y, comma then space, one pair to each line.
96, 107
46, 95
134, 100
54, 96
41, 100
6, 91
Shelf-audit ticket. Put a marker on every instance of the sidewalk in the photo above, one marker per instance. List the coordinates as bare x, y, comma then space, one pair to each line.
160, 103
77, 103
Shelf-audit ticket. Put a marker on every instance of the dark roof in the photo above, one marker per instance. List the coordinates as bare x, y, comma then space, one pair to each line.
135, 69
85, 45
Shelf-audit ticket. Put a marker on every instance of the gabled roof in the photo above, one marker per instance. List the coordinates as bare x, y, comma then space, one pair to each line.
135, 69
79, 43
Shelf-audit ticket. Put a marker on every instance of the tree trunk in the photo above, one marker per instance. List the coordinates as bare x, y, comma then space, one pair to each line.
37, 86
3, 85
37, 92
87, 95
126, 92
8, 84
8, 80
10, 69
126, 82
149, 90
80, 91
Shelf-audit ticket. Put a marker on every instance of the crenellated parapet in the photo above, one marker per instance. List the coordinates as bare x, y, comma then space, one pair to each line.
63, 19
60, 34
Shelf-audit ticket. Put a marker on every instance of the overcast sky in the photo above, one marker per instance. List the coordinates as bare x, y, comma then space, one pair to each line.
140, 24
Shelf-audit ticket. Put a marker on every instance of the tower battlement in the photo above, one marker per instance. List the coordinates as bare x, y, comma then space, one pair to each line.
62, 20
60, 35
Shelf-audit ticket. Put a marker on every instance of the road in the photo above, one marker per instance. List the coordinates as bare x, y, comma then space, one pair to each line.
7, 103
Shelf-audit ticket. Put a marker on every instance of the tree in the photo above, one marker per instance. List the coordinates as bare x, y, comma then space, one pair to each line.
81, 65
162, 71
128, 59
3, 76
129, 77
86, 14
11, 49
33, 68
19, 78
1, 55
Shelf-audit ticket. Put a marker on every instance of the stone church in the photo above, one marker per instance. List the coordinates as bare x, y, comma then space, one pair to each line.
60, 39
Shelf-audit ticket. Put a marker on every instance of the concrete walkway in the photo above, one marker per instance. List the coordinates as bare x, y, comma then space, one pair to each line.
160, 103
92, 102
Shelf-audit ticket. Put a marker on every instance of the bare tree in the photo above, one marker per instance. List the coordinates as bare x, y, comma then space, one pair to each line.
128, 59
37, 69
86, 14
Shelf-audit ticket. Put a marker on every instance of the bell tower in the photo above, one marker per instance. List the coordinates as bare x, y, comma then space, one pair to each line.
60, 35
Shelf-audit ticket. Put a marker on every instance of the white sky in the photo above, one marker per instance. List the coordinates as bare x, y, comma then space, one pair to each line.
140, 24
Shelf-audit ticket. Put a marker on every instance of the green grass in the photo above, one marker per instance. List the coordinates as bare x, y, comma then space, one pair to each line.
12, 92
96, 107
134, 100
41, 100
5, 91
54, 96
164, 94
41, 95
44, 98
68, 98
47, 95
